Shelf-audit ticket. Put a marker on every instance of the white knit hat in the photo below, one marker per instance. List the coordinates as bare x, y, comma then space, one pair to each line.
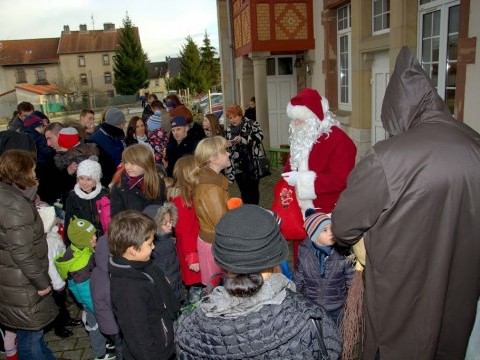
90, 168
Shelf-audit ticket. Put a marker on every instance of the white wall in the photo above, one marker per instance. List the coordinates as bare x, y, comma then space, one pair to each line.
317, 78
8, 104
472, 86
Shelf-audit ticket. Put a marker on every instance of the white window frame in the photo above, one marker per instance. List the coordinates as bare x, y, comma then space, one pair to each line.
106, 59
384, 30
83, 79
20, 75
346, 106
443, 6
107, 75
81, 61
38, 71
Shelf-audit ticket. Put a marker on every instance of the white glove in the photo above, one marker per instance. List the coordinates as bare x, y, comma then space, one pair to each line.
290, 177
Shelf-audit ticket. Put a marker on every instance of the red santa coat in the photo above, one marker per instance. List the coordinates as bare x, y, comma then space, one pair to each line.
331, 158
186, 231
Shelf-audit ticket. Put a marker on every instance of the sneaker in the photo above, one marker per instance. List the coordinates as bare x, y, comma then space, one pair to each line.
107, 356
74, 322
110, 347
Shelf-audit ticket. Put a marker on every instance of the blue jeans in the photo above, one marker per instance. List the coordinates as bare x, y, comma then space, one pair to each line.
31, 345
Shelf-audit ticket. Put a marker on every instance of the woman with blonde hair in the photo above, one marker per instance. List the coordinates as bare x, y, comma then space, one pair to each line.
139, 181
187, 228
210, 197
211, 126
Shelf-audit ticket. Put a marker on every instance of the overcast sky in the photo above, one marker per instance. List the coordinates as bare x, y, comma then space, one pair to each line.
163, 25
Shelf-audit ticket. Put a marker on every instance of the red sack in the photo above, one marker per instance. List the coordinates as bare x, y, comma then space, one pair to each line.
285, 205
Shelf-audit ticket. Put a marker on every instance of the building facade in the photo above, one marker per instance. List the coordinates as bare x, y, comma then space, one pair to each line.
355, 44
79, 65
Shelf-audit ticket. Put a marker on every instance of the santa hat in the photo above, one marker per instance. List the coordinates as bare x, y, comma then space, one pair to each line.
307, 104
68, 138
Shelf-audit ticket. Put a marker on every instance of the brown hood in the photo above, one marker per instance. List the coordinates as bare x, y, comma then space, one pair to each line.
410, 98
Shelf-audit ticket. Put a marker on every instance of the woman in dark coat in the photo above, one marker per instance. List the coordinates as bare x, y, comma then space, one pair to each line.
416, 197
26, 302
245, 139
256, 314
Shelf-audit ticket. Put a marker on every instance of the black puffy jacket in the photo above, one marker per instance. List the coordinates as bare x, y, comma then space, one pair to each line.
274, 332
165, 257
145, 307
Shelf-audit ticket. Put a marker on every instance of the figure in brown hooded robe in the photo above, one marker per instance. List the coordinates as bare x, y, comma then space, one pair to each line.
416, 199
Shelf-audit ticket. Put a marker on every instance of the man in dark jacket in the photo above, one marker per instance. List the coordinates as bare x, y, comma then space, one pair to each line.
110, 139
24, 109
415, 197
182, 142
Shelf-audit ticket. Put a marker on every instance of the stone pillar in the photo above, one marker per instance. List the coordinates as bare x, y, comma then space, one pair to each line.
403, 27
245, 83
226, 52
260, 85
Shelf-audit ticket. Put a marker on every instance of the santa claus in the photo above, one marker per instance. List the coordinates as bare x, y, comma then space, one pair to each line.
321, 154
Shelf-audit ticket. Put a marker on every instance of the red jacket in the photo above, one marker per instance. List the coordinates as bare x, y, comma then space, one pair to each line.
331, 158
186, 231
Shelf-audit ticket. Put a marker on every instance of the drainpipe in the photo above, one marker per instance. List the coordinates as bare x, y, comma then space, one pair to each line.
232, 50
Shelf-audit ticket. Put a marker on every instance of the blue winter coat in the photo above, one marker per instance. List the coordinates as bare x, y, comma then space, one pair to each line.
111, 143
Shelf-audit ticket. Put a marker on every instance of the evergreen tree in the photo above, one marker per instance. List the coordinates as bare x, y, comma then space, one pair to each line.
130, 61
210, 65
191, 76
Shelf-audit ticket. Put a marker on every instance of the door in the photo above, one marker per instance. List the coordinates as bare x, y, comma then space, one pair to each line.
281, 87
380, 77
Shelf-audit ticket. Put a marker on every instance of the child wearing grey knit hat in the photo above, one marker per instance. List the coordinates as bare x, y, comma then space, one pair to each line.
257, 308
115, 117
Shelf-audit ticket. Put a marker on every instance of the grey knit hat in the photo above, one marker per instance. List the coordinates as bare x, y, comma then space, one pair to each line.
115, 117
248, 240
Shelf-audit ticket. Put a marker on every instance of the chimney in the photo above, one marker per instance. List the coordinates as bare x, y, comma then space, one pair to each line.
83, 27
108, 27
66, 29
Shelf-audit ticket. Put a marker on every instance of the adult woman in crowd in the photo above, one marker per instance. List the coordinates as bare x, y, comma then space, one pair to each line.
256, 314
26, 302
211, 126
210, 197
138, 183
136, 131
245, 139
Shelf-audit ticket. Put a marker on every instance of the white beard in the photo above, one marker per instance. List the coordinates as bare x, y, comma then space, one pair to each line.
304, 136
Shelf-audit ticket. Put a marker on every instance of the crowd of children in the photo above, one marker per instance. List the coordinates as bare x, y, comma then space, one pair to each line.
138, 254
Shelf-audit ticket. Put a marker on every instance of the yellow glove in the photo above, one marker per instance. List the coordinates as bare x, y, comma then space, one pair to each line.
360, 254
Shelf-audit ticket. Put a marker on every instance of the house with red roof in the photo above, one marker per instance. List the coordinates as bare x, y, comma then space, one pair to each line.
49, 73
